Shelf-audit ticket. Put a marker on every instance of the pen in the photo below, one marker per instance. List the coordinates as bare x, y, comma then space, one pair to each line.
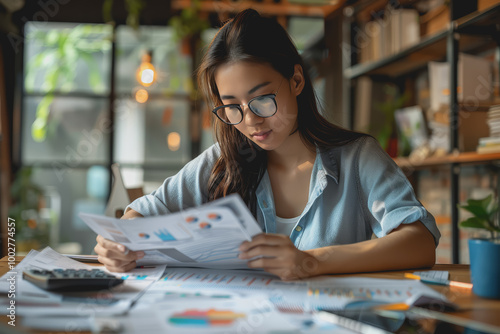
440, 282
145, 267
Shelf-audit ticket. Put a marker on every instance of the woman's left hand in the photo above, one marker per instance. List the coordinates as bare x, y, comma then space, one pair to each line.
276, 254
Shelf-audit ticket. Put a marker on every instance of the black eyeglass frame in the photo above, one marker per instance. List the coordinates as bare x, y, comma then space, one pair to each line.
238, 106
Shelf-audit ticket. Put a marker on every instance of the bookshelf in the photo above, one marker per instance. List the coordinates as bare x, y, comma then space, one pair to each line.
459, 158
471, 32
431, 48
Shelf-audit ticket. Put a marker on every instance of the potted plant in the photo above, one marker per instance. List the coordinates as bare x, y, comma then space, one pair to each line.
484, 252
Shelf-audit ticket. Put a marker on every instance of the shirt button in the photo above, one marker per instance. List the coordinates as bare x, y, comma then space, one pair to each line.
298, 229
264, 203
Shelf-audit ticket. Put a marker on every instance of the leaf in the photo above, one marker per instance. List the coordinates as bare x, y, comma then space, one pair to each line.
481, 208
474, 222
477, 211
38, 130
484, 203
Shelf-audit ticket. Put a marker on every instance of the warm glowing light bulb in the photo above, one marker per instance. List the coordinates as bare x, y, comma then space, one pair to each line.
174, 141
141, 95
146, 74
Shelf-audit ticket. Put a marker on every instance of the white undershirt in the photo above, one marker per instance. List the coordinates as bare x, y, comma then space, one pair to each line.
285, 225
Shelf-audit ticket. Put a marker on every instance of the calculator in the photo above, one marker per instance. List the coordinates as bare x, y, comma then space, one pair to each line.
71, 279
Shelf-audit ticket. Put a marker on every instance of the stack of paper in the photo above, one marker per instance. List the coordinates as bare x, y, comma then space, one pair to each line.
205, 236
33, 303
494, 121
491, 144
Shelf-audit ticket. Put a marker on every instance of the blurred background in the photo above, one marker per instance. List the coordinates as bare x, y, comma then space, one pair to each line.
91, 83
86, 84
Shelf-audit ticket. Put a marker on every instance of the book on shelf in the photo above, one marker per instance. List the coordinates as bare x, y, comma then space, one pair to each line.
489, 144
494, 148
381, 37
489, 141
494, 120
405, 28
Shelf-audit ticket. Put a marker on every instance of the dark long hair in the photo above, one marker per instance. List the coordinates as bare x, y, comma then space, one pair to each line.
253, 38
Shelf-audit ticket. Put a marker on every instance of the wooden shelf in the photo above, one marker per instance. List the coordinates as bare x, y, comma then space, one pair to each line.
415, 57
461, 158
266, 7
480, 22
477, 28
431, 48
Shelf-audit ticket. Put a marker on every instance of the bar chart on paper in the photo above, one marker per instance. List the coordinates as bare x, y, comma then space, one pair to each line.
205, 318
219, 279
324, 294
176, 282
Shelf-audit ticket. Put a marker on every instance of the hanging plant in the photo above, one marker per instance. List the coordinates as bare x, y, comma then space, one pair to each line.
189, 23
133, 8
62, 49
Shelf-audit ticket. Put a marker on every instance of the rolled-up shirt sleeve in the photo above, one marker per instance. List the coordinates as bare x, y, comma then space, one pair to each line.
389, 197
188, 188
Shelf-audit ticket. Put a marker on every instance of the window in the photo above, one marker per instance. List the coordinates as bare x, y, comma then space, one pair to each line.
66, 133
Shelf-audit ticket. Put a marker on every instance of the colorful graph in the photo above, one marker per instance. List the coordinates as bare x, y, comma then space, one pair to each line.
205, 318
360, 293
132, 276
144, 235
214, 216
191, 219
164, 235
205, 225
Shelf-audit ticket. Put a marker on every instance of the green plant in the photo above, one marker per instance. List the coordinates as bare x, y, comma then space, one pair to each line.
133, 8
26, 196
61, 51
393, 101
189, 23
485, 214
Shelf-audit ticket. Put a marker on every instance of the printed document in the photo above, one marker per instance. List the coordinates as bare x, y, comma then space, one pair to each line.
31, 300
206, 236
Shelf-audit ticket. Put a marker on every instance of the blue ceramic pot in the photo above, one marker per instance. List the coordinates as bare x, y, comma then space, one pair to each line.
485, 267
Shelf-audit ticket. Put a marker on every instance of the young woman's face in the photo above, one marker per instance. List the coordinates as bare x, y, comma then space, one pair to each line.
240, 82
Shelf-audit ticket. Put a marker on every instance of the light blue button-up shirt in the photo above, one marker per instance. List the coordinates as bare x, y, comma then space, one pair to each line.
355, 190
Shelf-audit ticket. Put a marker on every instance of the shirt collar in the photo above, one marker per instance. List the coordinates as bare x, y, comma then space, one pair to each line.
328, 162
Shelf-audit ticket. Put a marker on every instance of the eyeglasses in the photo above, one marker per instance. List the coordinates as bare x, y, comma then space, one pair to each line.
263, 106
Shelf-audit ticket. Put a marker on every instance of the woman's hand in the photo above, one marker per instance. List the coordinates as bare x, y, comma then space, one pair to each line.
115, 256
276, 254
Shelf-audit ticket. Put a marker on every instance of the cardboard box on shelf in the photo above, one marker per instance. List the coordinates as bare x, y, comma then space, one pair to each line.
435, 20
485, 4
474, 81
472, 125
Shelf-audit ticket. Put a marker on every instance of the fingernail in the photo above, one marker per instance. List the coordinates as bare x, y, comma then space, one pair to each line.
121, 248
140, 255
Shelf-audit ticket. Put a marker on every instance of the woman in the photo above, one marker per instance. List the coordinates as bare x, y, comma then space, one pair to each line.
317, 190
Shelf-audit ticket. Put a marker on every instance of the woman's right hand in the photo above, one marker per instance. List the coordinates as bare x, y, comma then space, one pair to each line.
115, 256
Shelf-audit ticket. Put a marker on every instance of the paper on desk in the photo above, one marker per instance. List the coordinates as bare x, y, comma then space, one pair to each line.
323, 292
31, 300
252, 314
286, 296
47, 259
205, 236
